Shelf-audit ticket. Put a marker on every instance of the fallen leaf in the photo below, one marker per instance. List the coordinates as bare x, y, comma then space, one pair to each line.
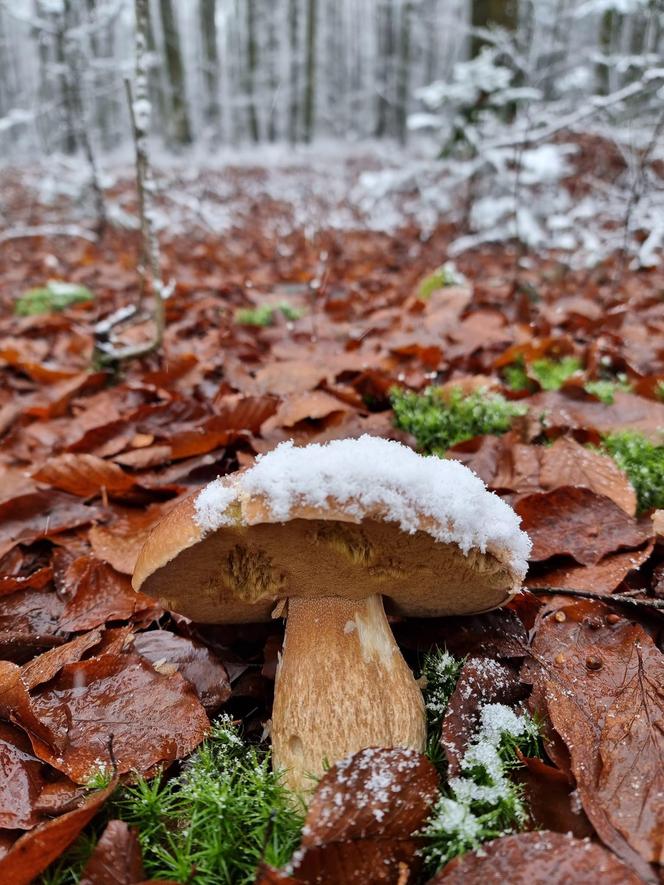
604, 577
83, 475
47, 665
116, 858
603, 685
537, 859
151, 718
363, 816
193, 660
100, 594
579, 523
33, 852
22, 780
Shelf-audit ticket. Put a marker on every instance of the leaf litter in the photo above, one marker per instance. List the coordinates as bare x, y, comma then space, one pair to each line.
99, 683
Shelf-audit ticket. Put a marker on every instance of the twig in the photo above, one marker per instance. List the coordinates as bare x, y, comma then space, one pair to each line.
150, 260
650, 80
622, 598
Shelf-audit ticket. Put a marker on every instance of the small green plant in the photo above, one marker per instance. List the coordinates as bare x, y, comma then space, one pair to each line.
516, 376
659, 391
552, 374
643, 462
483, 803
225, 813
605, 389
441, 673
443, 276
53, 296
439, 422
264, 315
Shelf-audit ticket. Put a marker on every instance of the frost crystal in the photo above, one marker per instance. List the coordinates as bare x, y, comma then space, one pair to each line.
369, 474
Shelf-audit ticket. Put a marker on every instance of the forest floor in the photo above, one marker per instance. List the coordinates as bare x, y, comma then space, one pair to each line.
285, 326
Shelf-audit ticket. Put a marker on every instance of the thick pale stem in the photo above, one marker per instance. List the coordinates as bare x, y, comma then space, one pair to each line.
341, 685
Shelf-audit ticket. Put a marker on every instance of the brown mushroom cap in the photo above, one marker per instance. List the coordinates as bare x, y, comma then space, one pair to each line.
355, 547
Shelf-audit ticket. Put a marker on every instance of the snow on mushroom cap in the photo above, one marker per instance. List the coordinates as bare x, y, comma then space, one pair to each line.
373, 473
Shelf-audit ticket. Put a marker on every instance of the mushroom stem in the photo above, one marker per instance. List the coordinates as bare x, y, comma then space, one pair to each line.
341, 685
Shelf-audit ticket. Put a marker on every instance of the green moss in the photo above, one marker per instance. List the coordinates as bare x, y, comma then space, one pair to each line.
443, 276
552, 374
516, 377
54, 296
264, 315
606, 389
439, 422
643, 462
220, 817
483, 802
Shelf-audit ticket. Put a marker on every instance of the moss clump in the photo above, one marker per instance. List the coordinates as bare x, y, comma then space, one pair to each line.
54, 296
440, 421
264, 315
483, 802
516, 377
217, 820
552, 374
443, 276
605, 389
643, 462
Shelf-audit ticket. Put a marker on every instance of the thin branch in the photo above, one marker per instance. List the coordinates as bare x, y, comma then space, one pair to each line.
622, 598
599, 103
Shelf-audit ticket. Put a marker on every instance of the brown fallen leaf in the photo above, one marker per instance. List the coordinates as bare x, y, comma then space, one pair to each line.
602, 681
100, 594
33, 852
567, 463
603, 577
579, 523
537, 859
193, 660
22, 780
41, 515
116, 858
152, 718
362, 819
83, 475
47, 665
549, 798
560, 411
120, 542
302, 407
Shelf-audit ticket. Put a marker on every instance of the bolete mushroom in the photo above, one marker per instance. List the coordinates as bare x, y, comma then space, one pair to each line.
334, 531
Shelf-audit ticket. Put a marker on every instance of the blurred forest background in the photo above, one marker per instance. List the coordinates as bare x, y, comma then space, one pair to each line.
458, 108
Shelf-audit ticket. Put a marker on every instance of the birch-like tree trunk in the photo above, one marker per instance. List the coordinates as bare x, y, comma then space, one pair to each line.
252, 63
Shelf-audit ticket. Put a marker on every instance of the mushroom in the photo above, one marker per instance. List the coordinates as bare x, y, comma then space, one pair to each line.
328, 534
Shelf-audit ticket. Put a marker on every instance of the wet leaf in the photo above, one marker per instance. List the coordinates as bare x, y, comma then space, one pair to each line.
579, 523
152, 718
33, 852
537, 859
602, 681
83, 475
363, 816
116, 859
22, 780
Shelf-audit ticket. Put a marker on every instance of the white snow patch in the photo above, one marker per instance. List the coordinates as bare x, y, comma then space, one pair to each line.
371, 474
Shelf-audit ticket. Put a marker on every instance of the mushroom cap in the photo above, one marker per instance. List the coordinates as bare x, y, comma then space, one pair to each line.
353, 518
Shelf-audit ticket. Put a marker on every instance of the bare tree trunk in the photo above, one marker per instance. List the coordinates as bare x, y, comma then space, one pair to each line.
180, 126
385, 57
252, 61
403, 82
294, 70
208, 25
487, 13
272, 51
310, 85
66, 96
